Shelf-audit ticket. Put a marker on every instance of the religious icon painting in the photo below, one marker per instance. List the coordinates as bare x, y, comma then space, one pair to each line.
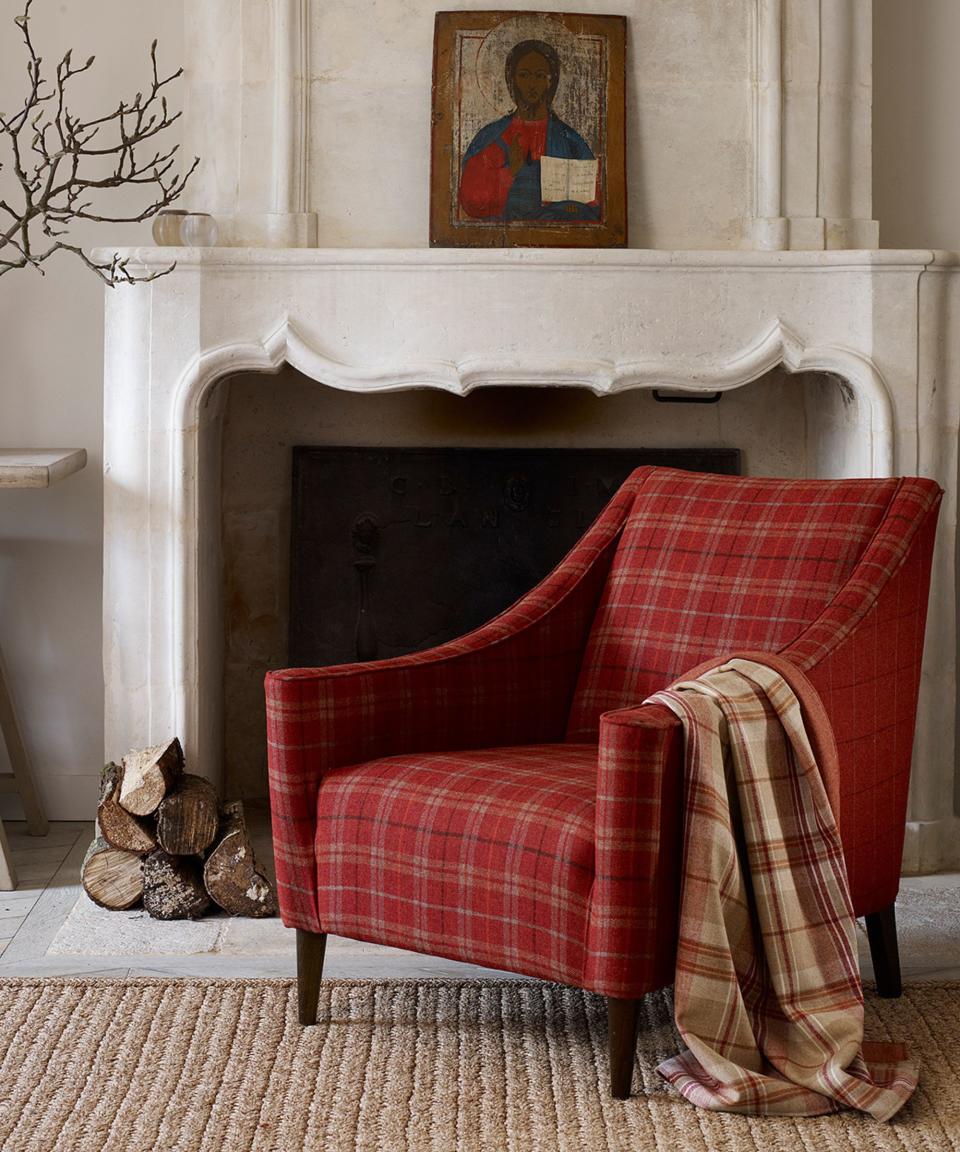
528, 140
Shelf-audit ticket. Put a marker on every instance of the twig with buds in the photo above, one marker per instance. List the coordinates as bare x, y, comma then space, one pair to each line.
65, 166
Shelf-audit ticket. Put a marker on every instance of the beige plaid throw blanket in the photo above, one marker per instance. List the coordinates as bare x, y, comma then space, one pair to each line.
768, 996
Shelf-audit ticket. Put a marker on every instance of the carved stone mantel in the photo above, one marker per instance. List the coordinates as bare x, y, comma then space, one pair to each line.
369, 321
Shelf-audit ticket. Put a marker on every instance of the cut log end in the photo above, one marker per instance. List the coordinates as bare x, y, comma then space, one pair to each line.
147, 775
119, 827
187, 818
111, 877
231, 874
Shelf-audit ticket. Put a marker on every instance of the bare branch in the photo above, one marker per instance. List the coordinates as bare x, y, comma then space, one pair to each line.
65, 165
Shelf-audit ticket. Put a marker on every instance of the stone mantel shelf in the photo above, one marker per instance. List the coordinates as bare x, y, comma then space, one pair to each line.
582, 259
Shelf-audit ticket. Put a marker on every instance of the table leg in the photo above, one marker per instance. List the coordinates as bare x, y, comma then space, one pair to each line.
19, 761
8, 874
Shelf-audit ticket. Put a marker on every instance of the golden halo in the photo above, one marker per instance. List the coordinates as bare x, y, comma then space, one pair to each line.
493, 51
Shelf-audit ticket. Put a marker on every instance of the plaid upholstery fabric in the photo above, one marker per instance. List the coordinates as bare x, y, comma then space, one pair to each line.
869, 680
709, 564
512, 683
633, 906
767, 993
509, 682
485, 856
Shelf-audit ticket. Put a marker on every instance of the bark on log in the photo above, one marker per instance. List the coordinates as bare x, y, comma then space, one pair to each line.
117, 826
187, 818
147, 774
173, 887
111, 877
231, 873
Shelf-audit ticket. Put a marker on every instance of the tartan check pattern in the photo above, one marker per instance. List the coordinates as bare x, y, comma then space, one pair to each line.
633, 906
767, 993
543, 674
509, 682
709, 564
864, 661
484, 856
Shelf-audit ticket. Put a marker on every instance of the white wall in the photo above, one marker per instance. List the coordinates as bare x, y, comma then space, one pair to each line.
51, 354
916, 125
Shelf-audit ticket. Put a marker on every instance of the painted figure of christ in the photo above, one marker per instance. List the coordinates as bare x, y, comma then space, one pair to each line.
514, 166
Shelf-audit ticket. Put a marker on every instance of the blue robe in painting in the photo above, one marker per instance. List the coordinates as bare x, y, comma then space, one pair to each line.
523, 201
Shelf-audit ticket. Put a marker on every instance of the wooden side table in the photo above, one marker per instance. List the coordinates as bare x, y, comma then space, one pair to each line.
25, 468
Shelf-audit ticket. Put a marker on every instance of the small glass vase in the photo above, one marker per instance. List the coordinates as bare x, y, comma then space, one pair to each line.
166, 227
199, 230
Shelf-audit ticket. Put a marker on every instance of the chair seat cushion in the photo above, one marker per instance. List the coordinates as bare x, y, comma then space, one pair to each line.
485, 856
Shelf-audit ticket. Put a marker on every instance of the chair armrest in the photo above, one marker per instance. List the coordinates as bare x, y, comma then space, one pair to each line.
863, 656
508, 682
639, 831
639, 826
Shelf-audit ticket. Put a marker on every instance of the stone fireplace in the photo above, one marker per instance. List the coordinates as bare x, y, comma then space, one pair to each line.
832, 360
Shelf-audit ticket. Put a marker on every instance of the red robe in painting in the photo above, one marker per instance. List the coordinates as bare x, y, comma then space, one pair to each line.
487, 179
489, 190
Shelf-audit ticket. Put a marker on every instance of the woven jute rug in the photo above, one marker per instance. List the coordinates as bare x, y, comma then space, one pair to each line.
109, 1065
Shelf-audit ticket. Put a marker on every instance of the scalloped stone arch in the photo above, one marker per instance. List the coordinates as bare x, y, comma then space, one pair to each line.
285, 345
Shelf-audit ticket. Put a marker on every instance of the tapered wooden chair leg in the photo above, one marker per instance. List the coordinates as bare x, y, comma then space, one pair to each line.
310, 949
884, 951
623, 1017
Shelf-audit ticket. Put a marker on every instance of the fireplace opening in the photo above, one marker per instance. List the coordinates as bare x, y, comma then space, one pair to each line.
393, 550
783, 424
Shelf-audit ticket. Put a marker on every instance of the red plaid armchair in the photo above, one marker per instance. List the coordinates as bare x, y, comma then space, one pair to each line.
507, 799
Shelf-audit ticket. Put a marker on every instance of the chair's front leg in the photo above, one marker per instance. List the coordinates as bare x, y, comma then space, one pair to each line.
310, 949
623, 1017
884, 952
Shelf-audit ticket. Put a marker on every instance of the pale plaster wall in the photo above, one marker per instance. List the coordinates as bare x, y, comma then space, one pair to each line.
51, 371
916, 127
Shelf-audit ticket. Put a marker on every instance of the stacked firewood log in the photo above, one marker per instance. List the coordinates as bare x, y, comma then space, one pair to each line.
162, 839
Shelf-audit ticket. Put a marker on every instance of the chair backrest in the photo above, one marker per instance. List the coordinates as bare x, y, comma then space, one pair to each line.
708, 565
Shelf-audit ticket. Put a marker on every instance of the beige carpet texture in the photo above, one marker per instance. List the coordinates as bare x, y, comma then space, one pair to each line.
444, 1066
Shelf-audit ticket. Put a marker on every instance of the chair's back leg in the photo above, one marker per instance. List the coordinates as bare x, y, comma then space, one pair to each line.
882, 935
623, 1017
310, 949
